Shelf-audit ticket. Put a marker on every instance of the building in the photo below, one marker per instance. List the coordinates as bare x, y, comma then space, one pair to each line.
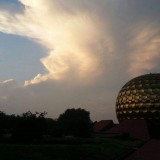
102, 126
136, 129
140, 98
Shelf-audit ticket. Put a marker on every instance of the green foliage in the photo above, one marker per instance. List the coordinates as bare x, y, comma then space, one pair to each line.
29, 126
33, 127
75, 122
110, 150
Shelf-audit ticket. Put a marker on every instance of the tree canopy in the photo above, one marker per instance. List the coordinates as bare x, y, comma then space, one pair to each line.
75, 122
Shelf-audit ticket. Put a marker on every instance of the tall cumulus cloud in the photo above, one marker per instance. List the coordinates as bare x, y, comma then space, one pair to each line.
92, 48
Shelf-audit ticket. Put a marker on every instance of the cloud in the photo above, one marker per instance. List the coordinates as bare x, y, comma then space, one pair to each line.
73, 39
92, 49
145, 49
14, 98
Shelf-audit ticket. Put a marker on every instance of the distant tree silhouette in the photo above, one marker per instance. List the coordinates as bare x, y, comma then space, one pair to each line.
75, 122
3, 119
29, 126
35, 127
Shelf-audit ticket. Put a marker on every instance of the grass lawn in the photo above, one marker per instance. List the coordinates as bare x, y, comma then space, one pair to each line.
106, 149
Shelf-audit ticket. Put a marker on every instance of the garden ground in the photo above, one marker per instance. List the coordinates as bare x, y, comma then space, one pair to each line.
103, 149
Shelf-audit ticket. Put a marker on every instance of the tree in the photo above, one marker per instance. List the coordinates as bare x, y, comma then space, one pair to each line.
3, 118
75, 122
30, 126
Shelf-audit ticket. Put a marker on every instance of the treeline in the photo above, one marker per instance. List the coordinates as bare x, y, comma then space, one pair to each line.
34, 127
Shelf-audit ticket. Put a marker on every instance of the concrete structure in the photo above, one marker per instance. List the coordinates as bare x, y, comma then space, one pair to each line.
137, 129
102, 126
150, 151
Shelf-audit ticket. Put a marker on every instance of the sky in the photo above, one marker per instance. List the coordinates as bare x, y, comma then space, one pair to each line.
58, 54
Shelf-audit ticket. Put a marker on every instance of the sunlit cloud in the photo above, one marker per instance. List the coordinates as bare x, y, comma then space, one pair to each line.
74, 42
145, 49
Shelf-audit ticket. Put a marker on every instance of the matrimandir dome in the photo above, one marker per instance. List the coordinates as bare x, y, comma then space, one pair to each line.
140, 98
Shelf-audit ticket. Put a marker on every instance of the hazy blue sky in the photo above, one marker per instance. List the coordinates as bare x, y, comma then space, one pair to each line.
58, 54
19, 58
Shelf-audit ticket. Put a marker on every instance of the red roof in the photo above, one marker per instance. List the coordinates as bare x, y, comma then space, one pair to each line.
102, 125
150, 151
135, 128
